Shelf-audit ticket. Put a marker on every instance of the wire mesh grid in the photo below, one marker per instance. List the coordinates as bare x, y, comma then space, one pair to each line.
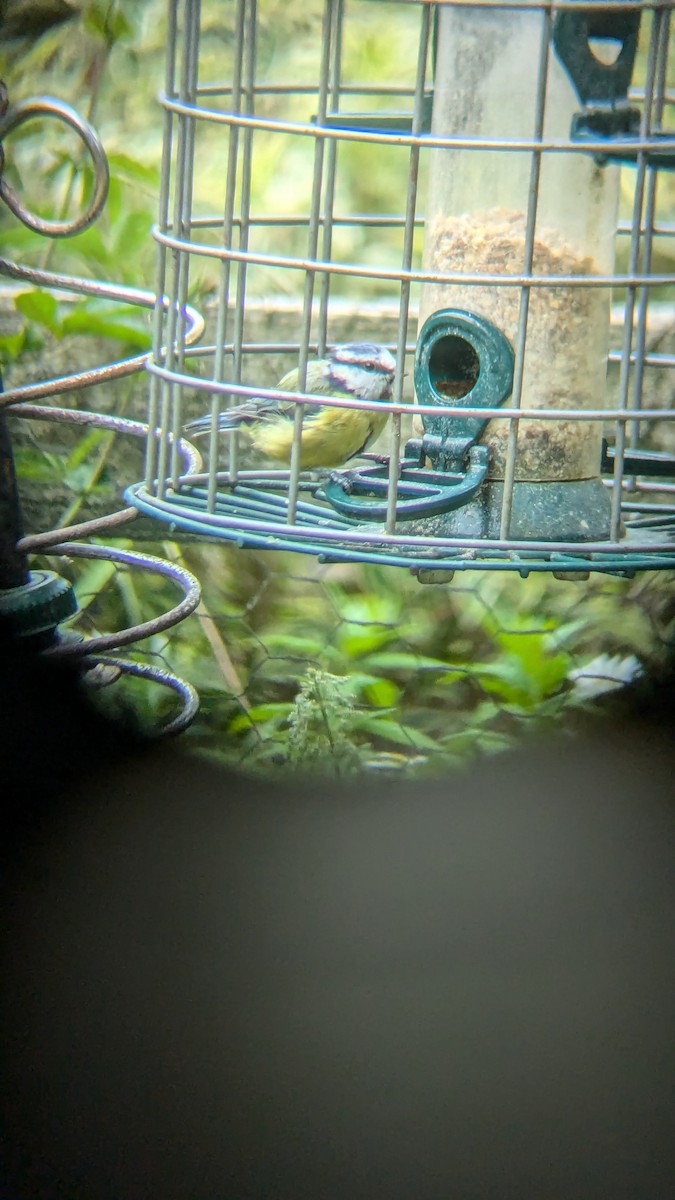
295, 153
339, 668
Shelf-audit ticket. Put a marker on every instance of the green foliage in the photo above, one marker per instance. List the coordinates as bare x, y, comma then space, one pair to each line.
13, 344
78, 470
118, 248
40, 307
108, 21
124, 323
321, 724
428, 677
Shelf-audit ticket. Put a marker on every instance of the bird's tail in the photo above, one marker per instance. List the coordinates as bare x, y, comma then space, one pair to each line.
202, 425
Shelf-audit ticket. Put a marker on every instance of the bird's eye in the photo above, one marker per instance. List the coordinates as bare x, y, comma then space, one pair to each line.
370, 365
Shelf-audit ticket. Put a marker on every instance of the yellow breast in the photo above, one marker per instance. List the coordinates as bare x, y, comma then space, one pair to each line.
329, 439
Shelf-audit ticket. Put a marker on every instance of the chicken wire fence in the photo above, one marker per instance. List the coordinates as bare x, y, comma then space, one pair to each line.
492, 203
342, 668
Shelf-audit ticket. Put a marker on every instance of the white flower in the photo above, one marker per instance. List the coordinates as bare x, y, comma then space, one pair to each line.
604, 674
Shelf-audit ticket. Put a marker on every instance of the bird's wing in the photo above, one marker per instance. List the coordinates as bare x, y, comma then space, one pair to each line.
262, 411
254, 411
271, 410
249, 413
266, 410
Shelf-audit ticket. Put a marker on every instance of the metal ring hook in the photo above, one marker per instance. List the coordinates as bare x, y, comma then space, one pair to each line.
45, 106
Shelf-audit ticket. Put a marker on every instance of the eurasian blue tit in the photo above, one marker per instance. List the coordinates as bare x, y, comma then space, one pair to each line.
330, 436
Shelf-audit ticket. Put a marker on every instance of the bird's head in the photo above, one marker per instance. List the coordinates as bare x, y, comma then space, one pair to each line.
363, 369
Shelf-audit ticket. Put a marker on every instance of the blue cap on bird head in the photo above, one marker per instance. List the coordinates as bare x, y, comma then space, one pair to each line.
367, 355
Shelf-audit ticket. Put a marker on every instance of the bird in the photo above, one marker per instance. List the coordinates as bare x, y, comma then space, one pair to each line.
330, 436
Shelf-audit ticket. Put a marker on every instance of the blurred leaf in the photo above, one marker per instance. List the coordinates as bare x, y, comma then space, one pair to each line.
89, 442
92, 580
402, 661
37, 465
564, 634
260, 714
294, 643
40, 307
358, 640
132, 170
382, 693
107, 21
395, 731
523, 678
33, 339
126, 586
131, 235
116, 199
91, 250
484, 712
81, 479
11, 345
16, 239
99, 318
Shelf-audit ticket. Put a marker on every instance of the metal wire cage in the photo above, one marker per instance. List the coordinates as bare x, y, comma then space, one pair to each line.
35, 604
482, 188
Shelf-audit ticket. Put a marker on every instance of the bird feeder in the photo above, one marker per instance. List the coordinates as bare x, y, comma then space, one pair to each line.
511, 130
526, 241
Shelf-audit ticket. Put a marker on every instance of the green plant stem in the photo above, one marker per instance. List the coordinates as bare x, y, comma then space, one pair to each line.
213, 636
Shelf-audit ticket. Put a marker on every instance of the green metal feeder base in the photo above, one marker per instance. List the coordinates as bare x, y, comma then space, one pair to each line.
576, 510
254, 514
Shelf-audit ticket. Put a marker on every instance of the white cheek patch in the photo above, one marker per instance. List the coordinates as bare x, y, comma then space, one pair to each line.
345, 378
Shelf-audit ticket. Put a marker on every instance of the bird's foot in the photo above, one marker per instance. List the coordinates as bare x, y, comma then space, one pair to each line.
344, 479
382, 460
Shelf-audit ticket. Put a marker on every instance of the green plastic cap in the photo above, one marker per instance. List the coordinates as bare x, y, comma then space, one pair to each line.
39, 605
